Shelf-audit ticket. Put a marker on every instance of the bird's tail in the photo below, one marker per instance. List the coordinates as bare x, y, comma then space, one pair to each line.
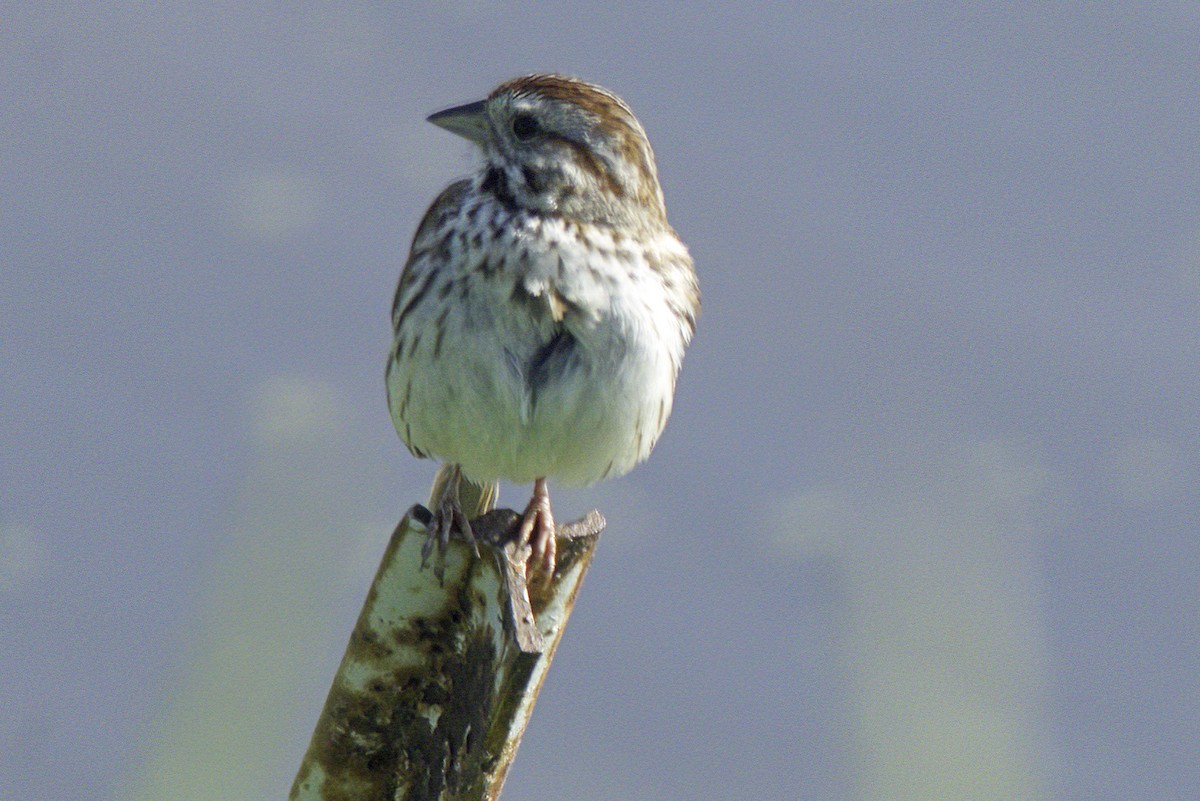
474, 498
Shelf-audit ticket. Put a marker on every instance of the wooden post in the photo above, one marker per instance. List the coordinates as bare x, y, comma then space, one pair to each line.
442, 671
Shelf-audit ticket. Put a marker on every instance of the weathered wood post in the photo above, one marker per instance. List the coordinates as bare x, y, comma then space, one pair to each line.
441, 672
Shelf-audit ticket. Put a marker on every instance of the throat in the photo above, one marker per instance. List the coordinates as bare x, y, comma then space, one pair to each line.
496, 184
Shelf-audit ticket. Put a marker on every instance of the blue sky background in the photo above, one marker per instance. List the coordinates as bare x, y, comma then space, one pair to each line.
924, 524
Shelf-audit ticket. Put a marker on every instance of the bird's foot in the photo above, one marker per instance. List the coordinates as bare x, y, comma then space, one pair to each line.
537, 529
448, 519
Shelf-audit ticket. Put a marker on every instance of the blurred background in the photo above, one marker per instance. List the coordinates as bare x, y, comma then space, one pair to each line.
923, 526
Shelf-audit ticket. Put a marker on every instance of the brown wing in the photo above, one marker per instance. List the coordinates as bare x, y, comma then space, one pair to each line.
425, 239
413, 284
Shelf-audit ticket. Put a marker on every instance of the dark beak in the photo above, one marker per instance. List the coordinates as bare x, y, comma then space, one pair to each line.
469, 121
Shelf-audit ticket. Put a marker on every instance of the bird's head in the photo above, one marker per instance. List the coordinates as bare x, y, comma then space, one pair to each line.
557, 145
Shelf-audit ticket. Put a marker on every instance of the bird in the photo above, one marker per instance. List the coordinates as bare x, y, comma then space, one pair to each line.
542, 316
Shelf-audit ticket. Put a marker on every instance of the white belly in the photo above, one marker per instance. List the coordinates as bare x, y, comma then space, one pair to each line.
480, 395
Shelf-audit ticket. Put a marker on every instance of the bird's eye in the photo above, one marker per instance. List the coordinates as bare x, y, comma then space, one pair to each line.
525, 127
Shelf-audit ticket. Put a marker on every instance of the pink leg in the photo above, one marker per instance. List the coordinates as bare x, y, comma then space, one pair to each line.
537, 528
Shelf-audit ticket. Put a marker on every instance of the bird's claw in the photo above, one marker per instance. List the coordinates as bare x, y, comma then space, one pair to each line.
537, 529
448, 519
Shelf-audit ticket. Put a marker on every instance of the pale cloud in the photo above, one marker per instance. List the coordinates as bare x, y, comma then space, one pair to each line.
944, 639
272, 204
23, 558
289, 409
814, 521
968, 485
273, 606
